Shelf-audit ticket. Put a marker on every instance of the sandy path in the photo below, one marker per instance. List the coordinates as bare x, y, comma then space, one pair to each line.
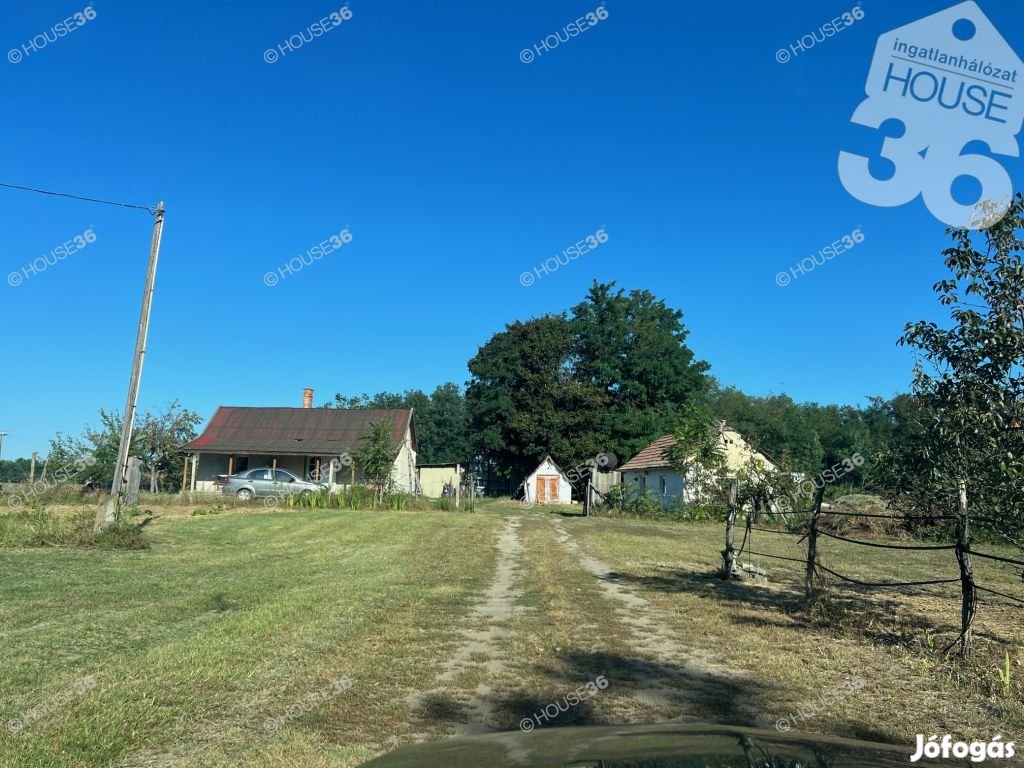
480, 651
680, 676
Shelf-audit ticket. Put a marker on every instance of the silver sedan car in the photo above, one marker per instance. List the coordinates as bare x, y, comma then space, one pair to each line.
266, 481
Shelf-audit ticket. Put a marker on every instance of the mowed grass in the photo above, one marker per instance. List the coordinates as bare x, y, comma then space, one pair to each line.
225, 622
206, 647
798, 652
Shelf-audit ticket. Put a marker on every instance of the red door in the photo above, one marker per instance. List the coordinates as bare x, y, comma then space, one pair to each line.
547, 489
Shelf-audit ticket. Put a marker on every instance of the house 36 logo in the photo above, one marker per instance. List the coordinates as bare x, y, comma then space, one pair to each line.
941, 89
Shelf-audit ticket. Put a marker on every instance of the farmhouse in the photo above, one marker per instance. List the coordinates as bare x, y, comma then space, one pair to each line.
305, 441
547, 484
651, 468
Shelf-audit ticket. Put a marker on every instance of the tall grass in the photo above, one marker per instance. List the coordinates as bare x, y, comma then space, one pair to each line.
35, 527
363, 497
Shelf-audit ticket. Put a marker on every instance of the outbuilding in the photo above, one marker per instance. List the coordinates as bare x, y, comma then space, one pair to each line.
547, 484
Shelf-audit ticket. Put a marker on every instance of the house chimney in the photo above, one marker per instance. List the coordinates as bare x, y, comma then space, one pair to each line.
307, 397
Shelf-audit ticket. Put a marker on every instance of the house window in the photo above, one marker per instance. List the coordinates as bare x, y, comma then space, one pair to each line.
664, 486
241, 463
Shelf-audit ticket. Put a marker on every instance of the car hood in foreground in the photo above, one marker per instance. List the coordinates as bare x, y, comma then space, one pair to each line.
668, 745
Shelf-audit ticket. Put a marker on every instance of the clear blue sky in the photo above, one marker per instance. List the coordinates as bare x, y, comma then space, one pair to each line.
456, 168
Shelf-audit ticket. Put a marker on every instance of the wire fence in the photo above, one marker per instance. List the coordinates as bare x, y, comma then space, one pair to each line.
807, 528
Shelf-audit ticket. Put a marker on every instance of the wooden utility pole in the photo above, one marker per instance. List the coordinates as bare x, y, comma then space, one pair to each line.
963, 557
32, 469
109, 512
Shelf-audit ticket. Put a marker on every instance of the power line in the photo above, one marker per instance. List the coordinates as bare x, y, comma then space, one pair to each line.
151, 209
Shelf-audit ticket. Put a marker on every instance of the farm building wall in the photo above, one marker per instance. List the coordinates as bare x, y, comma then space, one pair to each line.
433, 479
548, 469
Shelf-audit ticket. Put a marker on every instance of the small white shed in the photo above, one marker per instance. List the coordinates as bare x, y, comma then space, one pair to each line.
547, 484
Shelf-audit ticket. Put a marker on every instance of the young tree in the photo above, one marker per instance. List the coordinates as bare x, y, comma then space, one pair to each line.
697, 453
376, 458
969, 385
157, 440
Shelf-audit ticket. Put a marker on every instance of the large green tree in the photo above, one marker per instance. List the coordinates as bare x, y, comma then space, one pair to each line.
610, 377
969, 385
632, 348
525, 402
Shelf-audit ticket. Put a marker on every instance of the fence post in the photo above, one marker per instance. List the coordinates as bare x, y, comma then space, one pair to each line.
810, 579
963, 558
729, 553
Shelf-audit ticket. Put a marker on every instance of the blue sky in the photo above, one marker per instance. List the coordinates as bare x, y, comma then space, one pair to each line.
456, 167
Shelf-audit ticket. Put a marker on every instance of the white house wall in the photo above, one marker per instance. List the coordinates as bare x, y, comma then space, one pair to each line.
663, 482
403, 474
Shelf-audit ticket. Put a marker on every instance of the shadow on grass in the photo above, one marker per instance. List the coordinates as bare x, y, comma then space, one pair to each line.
562, 696
847, 609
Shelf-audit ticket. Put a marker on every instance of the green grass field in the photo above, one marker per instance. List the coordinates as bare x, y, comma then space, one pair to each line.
210, 647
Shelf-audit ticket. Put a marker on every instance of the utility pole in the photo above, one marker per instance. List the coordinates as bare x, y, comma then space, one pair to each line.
109, 512
2, 435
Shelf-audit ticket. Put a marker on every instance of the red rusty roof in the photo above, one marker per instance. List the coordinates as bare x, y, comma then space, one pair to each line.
654, 455
304, 431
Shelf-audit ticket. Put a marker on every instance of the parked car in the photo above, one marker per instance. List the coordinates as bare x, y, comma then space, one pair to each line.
267, 481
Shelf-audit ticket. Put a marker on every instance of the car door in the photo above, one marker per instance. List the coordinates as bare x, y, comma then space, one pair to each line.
262, 483
283, 483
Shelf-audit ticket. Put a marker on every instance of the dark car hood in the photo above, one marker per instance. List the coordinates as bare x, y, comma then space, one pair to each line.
668, 745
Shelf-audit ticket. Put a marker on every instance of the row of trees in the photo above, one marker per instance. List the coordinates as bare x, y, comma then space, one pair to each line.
156, 439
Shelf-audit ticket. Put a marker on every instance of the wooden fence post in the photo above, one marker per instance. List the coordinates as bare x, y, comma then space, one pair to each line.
729, 553
963, 557
811, 577
133, 481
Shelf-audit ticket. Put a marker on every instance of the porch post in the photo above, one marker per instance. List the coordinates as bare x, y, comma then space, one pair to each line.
184, 473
